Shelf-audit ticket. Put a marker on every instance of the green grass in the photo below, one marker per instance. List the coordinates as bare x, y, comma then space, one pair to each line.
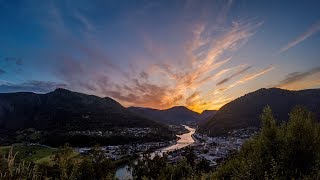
48, 159
35, 153
30, 153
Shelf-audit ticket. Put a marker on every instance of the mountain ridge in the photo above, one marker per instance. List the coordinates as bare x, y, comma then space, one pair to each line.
245, 111
175, 115
64, 111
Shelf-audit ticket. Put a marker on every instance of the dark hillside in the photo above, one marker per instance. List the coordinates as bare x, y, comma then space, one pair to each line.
244, 111
62, 111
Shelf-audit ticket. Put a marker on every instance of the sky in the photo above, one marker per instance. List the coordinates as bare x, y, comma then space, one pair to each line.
200, 54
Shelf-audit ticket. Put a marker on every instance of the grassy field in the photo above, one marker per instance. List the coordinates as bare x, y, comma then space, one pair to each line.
34, 153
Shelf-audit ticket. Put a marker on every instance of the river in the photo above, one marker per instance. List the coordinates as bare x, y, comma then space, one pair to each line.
125, 173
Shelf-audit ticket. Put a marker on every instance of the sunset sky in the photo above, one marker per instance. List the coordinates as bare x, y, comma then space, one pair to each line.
196, 53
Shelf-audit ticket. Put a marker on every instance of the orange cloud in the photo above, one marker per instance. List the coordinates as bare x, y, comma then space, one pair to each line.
198, 71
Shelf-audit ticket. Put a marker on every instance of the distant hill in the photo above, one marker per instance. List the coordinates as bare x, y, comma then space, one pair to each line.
63, 111
176, 115
245, 111
207, 114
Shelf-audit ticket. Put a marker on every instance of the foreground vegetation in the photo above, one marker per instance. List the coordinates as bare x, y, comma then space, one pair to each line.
290, 150
31, 153
159, 168
62, 165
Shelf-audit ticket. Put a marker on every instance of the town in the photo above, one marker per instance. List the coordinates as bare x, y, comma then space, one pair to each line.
212, 149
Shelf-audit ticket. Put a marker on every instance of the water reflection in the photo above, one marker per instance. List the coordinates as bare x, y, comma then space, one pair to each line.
185, 140
125, 172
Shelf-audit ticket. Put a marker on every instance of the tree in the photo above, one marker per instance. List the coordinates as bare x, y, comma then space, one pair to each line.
97, 166
288, 151
203, 166
190, 156
302, 141
149, 167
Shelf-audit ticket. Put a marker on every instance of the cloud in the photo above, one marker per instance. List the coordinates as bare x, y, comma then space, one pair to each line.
79, 57
315, 28
243, 80
225, 80
144, 94
215, 76
217, 97
84, 20
293, 79
31, 86
193, 97
199, 70
252, 76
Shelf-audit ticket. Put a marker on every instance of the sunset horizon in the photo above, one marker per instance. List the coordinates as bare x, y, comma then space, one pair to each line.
200, 55
159, 89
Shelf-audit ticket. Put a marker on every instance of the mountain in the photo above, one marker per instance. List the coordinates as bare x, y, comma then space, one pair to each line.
65, 111
207, 114
245, 111
176, 115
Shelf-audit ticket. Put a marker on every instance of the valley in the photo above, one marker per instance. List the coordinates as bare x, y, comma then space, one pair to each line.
158, 135
159, 90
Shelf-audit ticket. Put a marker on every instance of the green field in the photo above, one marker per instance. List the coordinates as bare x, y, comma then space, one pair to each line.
33, 153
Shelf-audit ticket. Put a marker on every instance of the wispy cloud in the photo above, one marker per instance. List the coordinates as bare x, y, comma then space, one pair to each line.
80, 59
252, 76
307, 78
216, 98
225, 80
205, 54
84, 20
202, 67
243, 80
315, 28
203, 57
192, 98
161, 85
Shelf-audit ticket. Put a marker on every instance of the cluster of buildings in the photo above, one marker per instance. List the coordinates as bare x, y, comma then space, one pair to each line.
212, 149
132, 132
120, 151
215, 149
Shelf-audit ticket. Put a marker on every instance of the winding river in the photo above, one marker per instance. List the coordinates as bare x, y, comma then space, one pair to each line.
125, 173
